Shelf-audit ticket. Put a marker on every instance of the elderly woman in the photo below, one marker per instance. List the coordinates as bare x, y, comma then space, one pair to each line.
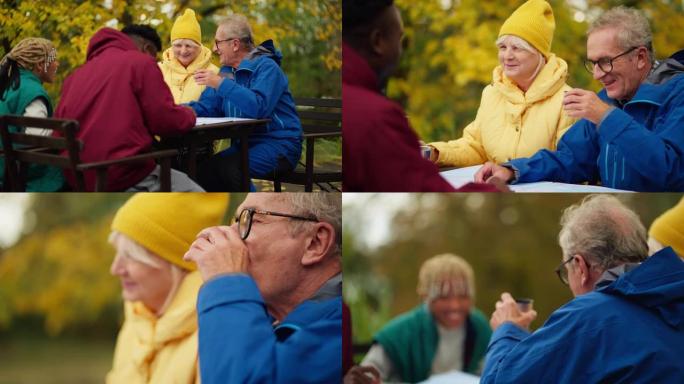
186, 55
32, 62
444, 333
521, 111
151, 233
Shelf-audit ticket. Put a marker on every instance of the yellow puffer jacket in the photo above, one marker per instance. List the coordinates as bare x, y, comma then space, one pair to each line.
512, 124
159, 350
180, 80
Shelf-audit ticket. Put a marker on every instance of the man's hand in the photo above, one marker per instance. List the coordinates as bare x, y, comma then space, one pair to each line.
490, 171
362, 375
507, 310
218, 250
582, 104
207, 77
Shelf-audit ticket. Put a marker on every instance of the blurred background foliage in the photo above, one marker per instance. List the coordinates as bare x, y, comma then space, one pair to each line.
509, 239
57, 296
308, 32
450, 54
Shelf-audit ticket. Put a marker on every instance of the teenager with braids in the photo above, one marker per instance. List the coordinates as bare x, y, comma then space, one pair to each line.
30, 63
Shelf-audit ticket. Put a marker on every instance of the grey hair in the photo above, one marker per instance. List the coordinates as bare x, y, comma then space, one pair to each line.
604, 231
326, 207
137, 252
633, 29
237, 26
517, 42
134, 250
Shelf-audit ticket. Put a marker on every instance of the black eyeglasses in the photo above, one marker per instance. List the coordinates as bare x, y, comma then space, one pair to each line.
216, 42
562, 272
244, 219
605, 63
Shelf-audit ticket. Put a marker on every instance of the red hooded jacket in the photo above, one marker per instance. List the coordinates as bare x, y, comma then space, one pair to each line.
120, 100
380, 151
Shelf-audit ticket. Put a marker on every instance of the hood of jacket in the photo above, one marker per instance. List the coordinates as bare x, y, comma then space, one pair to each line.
549, 80
665, 70
657, 284
107, 38
356, 71
265, 49
179, 321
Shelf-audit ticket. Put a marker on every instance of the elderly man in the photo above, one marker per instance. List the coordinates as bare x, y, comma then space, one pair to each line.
270, 310
630, 135
121, 101
626, 322
250, 84
444, 333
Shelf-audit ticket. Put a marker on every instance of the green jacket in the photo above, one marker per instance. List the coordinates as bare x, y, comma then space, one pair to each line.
410, 340
39, 178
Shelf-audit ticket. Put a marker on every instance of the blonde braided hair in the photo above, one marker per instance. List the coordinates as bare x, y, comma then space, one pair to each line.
26, 54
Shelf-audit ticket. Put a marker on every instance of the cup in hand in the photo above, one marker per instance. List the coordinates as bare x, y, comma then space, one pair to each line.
425, 151
524, 304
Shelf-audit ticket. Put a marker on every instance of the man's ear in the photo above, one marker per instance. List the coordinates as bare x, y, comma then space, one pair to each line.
642, 58
377, 42
320, 241
584, 269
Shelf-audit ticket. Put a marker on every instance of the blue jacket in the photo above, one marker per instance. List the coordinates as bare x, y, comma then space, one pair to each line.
257, 89
238, 344
628, 331
639, 147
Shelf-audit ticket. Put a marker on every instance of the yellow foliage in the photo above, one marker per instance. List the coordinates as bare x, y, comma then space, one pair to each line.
62, 274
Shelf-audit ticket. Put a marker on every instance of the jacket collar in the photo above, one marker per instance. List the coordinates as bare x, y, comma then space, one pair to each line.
250, 62
356, 70
656, 284
646, 93
549, 80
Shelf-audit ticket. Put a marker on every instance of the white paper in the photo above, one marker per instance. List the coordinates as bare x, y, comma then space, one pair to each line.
452, 377
459, 177
214, 120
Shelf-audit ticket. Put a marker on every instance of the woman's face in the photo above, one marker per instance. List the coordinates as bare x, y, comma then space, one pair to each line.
451, 311
518, 64
140, 281
185, 51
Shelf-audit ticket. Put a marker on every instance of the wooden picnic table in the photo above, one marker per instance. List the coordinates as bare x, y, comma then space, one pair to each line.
208, 129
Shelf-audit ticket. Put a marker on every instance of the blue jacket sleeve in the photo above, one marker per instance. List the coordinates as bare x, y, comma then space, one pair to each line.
267, 84
237, 343
574, 161
208, 105
655, 154
505, 338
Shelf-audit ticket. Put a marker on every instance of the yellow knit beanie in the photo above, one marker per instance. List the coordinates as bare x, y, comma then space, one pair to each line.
167, 223
186, 27
668, 228
534, 22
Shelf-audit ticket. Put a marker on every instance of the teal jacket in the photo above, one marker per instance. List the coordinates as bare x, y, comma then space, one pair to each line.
410, 340
39, 178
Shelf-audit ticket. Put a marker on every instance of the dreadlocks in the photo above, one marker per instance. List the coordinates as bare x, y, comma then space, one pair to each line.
26, 54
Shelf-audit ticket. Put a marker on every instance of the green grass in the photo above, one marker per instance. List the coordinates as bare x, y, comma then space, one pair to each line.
54, 361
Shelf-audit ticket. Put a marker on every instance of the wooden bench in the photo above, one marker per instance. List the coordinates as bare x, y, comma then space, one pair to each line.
22, 149
321, 119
